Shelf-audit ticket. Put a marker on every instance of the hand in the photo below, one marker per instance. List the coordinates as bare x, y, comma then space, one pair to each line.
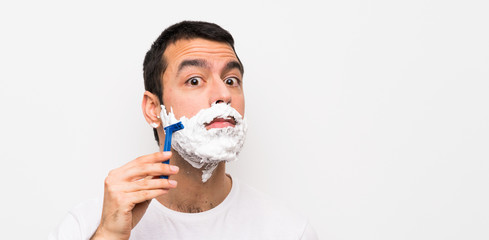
128, 192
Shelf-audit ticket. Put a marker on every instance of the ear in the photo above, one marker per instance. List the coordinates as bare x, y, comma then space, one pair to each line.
151, 109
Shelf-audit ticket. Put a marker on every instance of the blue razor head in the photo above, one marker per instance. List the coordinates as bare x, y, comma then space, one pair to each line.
174, 127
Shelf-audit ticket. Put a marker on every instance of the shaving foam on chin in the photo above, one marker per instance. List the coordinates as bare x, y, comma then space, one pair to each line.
205, 149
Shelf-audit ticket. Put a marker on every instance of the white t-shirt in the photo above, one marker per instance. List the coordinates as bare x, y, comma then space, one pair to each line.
244, 214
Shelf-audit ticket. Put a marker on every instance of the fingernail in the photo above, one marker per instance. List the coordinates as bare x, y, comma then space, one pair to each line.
173, 168
172, 182
166, 153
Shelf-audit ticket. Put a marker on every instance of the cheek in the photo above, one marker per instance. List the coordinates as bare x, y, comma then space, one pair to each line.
239, 105
186, 107
178, 102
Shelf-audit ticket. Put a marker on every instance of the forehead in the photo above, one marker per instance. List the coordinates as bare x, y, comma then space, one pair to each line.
197, 48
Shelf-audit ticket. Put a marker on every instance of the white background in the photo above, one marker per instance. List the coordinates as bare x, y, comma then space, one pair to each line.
369, 117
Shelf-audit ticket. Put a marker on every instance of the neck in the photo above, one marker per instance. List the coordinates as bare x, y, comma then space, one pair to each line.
192, 195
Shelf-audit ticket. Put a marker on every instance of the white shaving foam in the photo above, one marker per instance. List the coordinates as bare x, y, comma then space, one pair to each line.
205, 149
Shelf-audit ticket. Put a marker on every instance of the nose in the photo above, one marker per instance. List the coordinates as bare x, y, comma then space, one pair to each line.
219, 92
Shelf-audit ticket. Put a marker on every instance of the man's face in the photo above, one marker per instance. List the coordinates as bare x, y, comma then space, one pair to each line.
199, 73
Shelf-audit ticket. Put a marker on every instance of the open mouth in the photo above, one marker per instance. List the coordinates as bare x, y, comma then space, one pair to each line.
221, 123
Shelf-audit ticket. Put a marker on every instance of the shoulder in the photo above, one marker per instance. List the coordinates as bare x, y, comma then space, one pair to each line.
273, 214
80, 222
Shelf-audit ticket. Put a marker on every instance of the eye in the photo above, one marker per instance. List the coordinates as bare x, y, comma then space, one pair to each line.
194, 81
232, 81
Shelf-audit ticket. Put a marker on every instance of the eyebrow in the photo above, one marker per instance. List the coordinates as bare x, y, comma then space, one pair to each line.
193, 62
233, 65
203, 64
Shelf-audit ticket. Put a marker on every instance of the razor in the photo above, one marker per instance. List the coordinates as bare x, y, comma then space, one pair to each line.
169, 130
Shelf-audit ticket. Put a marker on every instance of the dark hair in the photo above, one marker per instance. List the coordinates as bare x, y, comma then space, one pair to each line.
154, 62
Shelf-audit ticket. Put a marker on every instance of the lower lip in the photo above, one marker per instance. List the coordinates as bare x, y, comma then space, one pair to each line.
219, 125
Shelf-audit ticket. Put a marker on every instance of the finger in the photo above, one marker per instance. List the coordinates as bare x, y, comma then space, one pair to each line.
155, 157
144, 195
121, 173
150, 158
154, 169
149, 184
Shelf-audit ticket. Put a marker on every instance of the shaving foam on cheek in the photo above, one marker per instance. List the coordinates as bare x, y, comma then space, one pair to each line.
203, 148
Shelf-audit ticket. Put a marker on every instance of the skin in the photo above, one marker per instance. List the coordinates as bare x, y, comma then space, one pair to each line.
130, 188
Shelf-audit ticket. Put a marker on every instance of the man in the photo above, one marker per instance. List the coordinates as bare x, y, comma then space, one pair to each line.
192, 74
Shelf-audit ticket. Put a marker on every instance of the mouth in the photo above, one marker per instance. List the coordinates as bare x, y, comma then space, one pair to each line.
221, 123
